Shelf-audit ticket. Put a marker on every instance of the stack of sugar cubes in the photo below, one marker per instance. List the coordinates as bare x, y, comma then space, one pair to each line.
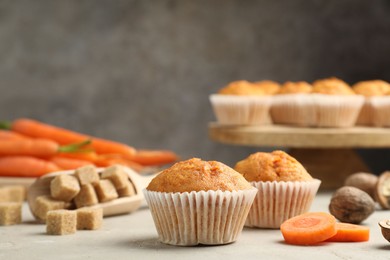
11, 199
83, 190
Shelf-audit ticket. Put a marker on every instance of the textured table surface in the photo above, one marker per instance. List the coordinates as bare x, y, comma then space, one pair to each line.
133, 236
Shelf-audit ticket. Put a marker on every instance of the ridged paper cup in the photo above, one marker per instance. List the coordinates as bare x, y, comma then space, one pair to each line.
204, 217
336, 110
381, 111
276, 202
366, 114
241, 110
293, 109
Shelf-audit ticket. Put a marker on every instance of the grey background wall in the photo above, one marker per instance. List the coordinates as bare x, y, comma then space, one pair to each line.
141, 71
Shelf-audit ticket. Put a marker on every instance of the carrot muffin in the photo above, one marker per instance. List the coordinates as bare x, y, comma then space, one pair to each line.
241, 103
268, 86
285, 188
293, 105
199, 202
374, 91
336, 104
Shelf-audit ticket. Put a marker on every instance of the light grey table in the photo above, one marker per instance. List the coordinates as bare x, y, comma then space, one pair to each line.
133, 236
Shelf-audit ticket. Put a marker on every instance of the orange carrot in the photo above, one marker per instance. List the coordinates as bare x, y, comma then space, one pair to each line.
35, 147
90, 156
68, 163
25, 166
108, 160
347, 232
63, 136
309, 228
154, 157
9, 135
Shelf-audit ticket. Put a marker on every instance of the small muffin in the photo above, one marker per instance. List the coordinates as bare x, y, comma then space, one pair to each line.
285, 188
298, 87
268, 86
336, 104
293, 105
374, 91
372, 88
241, 88
332, 86
199, 202
241, 103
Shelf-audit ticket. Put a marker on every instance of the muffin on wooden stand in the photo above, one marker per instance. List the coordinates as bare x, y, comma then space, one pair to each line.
285, 188
293, 105
199, 202
337, 105
377, 102
241, 103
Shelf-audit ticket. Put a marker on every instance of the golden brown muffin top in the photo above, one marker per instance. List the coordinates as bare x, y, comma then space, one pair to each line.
332, 86
371, 88
295, 87
241, 88
270, 87
275, 166
198, 175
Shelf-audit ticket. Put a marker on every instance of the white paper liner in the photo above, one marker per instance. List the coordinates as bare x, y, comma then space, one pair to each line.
241, 110
381, 111
204, 217
366, 114
337, 111
276, 202
293, 109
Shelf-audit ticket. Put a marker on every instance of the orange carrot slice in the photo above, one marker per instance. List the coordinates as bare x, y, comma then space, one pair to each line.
347, 232
309, 228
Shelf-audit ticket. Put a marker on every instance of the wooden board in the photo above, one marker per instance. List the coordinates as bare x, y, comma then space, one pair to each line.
4, 181
298, 137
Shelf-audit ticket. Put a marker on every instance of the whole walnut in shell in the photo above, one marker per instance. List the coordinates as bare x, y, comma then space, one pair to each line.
351, 205
364, 181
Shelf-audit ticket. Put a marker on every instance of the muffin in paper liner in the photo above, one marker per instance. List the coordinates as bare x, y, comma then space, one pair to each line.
276, 202
241, 110
337, 110
380, 111
203, 217
293, 109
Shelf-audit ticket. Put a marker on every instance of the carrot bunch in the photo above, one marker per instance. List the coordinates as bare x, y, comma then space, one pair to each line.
29, 148
316, 227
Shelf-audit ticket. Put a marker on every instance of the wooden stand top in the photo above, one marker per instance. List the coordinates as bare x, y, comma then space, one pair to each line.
301, 137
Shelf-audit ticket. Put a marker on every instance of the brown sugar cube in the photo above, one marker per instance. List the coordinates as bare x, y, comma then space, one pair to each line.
44, 204
4, 195
106, 191
10, 213
17, 193
61, 222
127, 191
86, 197
87, 174
64, 187
117, 175
89, 218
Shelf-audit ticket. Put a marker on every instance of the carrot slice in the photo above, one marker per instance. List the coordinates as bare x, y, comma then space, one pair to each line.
309, 228
154, 157
347, 232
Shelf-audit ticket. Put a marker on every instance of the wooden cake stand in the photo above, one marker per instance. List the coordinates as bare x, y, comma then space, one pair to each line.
327, 153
